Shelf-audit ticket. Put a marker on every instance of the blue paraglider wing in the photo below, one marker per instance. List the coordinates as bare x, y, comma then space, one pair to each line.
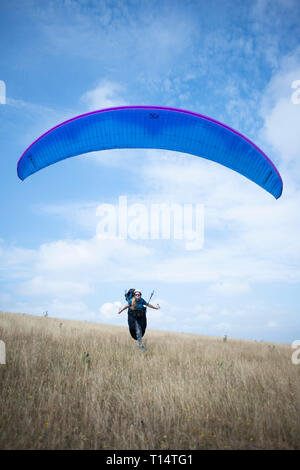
157, 128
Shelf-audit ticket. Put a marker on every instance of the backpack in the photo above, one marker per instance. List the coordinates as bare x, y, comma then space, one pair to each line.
129, 295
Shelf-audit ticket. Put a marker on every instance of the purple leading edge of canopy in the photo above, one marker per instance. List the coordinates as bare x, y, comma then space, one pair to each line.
191, 113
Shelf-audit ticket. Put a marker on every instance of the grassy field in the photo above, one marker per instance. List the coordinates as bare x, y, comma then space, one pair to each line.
185, 392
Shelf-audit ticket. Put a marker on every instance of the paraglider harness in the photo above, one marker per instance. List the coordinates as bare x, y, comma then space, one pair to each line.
139, 312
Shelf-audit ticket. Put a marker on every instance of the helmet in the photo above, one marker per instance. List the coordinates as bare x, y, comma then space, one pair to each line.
137, 291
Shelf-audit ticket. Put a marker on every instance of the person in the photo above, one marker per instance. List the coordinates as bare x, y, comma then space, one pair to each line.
137, 320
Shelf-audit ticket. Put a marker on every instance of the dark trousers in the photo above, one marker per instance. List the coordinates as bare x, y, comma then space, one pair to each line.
134, 320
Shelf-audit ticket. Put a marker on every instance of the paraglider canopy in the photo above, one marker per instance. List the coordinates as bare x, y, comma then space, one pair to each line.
157, 128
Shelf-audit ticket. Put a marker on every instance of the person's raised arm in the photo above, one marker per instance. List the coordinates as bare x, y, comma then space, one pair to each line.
152, 306
124, 308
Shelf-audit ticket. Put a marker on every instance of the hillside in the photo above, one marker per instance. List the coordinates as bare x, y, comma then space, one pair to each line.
81, 385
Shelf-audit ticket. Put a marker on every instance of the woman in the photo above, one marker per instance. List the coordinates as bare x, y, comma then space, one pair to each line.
137, 320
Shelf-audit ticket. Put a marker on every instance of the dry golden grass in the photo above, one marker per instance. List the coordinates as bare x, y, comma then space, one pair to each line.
185, 392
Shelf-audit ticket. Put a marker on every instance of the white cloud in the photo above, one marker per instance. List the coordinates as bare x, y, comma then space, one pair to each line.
118, 158
56, 308
268, 20
106, 94
203, 317
281, 115
136, 40
206, 309
109, 310
43, 287
89, 259
5, 300
81, 214
15, 262
37, 119
282, 128
76, 310
233, 287
224, 326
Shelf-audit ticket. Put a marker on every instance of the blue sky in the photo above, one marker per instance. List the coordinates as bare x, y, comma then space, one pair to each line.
234, 61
